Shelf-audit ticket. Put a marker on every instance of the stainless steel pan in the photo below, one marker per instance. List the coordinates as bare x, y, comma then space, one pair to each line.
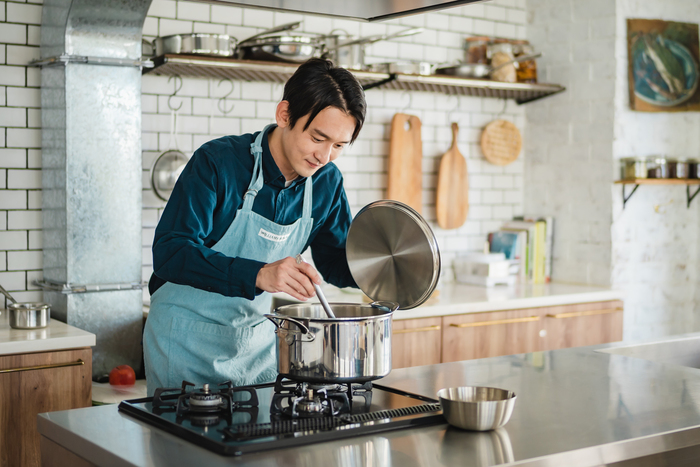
27, 315
267, 45
220, 45
354, 347
349, 52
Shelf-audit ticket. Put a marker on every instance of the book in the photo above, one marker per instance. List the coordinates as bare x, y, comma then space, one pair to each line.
528, 229
504, 242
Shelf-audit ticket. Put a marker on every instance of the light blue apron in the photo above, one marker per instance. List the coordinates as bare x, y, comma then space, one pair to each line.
205, 337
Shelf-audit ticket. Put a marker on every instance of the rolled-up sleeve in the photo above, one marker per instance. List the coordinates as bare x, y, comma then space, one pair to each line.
179, 251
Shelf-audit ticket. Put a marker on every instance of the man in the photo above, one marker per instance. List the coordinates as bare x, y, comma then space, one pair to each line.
242, 208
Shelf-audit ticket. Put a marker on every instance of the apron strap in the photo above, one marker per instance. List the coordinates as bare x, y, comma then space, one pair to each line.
308, 192
256, 181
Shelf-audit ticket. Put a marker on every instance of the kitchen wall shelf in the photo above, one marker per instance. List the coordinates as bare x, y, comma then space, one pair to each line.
658, 181
249, 70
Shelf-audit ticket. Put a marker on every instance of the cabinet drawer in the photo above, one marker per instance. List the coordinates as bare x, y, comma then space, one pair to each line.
481, 335
35, 383
582, 324
416, 342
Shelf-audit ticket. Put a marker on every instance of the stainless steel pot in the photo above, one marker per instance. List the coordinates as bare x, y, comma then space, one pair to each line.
27, 315
354, 347
220, 45
408, 68
296, 48
349, 52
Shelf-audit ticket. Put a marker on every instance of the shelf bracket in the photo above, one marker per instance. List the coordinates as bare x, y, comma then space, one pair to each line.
376, 84
689, 196
627, 198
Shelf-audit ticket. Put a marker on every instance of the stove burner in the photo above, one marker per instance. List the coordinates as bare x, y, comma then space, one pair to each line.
293, 399
204, 406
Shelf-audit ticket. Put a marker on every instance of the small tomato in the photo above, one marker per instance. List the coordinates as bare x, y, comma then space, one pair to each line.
122, 375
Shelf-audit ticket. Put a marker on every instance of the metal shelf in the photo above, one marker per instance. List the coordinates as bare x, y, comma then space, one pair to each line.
249, 70
658, 181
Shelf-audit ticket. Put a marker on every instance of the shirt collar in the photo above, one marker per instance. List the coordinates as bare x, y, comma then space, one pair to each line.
272, 173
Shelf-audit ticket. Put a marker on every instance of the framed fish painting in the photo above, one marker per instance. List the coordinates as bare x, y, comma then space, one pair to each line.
663, 65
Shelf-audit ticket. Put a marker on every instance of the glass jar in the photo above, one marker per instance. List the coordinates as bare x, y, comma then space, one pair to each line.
657, 167
693, 168
526, 71
632, 168
678, 168
475, 49
499, 54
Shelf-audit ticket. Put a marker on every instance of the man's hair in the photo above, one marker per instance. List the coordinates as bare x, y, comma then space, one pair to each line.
318, 84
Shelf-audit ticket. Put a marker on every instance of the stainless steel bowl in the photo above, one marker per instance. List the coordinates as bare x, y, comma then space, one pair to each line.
476, 408
29, 315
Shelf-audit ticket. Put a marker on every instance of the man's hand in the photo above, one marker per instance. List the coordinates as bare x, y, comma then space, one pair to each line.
287, 276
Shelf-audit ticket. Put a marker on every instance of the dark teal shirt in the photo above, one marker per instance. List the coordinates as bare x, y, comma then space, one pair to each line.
205, 200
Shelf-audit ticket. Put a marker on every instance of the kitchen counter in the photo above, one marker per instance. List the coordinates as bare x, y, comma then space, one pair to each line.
457, 299
574, 407
56, 336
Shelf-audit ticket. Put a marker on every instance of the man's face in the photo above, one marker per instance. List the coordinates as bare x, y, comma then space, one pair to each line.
322, 142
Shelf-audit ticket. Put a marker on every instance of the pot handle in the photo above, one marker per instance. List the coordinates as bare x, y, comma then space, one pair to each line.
385, 306
274, 318
280, 28
377, 38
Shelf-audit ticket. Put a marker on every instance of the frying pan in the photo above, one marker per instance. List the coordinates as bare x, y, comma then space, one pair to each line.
348, 52
220, 45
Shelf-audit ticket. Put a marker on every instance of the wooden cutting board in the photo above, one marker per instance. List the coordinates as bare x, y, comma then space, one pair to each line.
405, 177
452, 204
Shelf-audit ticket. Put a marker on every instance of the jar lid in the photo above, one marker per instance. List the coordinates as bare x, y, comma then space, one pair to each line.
633, 159
477, 38
393, 254
656, 159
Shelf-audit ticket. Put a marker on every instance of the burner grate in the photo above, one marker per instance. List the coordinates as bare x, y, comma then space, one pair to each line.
281, 427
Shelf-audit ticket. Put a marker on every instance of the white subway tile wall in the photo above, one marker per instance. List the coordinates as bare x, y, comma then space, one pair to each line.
496, 193
655, 249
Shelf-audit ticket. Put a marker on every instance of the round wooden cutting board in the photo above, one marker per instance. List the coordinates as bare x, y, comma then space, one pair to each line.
501, 142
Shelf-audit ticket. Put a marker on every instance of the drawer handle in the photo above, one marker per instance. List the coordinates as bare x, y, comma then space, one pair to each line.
43, 367
574, 314
427, 328
497, 321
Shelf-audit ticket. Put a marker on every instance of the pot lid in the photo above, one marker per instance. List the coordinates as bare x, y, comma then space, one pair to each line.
393, 254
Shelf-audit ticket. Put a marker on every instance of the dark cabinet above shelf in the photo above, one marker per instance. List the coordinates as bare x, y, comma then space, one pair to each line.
248, 70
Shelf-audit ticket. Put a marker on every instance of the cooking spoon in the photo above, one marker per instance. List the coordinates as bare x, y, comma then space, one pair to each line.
7, 294
319, 293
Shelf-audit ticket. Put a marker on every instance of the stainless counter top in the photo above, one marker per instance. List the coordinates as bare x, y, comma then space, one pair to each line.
575, 407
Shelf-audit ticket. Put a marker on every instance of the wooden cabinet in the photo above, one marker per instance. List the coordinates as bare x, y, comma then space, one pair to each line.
582, 324
416, 342
481, 335
492, 334
34, 383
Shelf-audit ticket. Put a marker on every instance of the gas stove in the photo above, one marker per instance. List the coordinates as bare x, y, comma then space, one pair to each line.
237, 420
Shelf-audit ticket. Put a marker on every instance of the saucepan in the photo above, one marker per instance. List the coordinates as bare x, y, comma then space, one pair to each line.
220, 45
27, 315
349, 52
479, 70
355, 347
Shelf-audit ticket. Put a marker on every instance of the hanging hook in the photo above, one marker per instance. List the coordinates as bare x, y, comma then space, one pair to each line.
222, 102
410, 98
176, 89
449, 114
503, 110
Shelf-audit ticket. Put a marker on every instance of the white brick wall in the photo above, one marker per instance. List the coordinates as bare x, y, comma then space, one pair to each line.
570, 137
655, 253
495, 193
